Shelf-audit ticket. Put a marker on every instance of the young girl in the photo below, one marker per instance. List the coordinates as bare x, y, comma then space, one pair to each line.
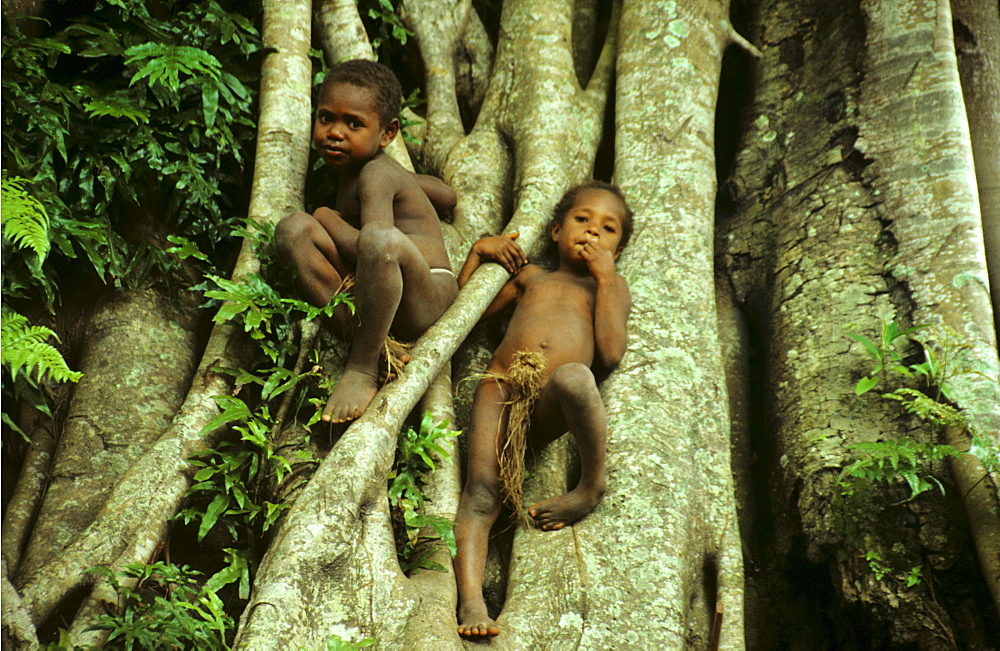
539, 382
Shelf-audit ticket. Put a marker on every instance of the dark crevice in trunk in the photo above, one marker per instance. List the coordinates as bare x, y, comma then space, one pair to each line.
604, 161
736, 94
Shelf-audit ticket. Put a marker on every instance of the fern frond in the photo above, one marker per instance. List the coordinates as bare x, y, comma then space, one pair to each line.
25, 351
116, 107
163, 64
25, 222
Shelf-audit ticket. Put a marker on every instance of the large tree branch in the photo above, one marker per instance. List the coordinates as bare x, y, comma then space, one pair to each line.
438, 27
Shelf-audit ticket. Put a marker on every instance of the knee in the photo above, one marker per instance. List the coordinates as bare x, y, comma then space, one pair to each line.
293, 229
380, 241
573, 381
480, 498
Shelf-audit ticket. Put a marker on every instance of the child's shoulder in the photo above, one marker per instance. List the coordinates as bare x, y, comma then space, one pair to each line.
384, 169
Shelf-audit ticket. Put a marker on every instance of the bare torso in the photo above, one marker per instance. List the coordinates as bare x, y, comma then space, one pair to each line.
554, 316
411, 210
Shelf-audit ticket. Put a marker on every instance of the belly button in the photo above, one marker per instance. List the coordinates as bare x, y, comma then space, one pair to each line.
543, 345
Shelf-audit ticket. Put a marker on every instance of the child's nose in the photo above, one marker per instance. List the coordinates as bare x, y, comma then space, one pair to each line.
335, 132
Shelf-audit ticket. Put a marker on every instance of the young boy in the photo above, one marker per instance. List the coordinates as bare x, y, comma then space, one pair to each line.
384, 230
565, 322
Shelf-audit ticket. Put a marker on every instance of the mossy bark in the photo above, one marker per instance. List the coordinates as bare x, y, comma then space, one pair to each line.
826, 239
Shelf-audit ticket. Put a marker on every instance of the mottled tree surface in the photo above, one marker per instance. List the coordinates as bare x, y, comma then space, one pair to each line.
798, 169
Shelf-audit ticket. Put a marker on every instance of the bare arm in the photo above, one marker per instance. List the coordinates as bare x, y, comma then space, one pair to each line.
611, 308
439, 192
345, 236
503, 250
612, 303
498, 248
378, 184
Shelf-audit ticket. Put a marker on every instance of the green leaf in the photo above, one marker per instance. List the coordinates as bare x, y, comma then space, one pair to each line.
185, 248
237, 569
163, 63
24, 220
26, 353
872, 349
865, 384
217, 507
116, 107
233, 409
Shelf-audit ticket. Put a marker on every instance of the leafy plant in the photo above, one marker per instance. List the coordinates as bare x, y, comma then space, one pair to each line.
264, 314
231, 481
945, 357
388, 26
161, 606
943, 361
414, 463
885, 352
885, 461
123, 113
337, 643
28, 360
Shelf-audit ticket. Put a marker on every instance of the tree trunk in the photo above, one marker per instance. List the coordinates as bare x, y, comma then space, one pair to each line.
977, 44
728, 523
827, 187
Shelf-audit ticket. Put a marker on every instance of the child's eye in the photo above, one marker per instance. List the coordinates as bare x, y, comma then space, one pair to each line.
354, 124
580, 218
609, 229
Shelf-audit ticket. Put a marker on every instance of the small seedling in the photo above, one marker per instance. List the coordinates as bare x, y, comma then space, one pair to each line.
414, 463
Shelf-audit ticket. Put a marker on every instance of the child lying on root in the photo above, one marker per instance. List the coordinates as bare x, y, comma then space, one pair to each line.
539, 382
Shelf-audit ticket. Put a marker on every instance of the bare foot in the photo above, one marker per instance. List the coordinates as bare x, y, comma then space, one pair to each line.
555, 513
351, 397
476, 624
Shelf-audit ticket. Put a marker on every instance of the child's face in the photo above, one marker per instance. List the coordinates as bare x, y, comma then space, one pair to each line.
596, 216
348, 131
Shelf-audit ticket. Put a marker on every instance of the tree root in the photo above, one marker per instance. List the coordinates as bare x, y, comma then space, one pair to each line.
980, 494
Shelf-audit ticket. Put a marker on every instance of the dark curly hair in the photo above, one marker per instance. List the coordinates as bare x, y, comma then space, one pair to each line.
375, 77
569, 198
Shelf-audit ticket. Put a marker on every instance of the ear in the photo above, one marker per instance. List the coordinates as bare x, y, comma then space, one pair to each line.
555, 231
389, 132
618, 252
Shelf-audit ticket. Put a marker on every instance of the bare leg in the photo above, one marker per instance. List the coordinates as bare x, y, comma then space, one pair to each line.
305, 243
571, 400
387, 261
478, 509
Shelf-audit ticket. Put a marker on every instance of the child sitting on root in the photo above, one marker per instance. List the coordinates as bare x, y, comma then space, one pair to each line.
384, 229
540, 381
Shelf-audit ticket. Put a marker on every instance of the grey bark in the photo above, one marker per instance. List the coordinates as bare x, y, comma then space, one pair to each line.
669, 447
819, 246
22, 506
977, 44
926, 182
139, 355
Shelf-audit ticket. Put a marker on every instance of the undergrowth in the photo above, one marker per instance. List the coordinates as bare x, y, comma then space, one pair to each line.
414, 464
910, 463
